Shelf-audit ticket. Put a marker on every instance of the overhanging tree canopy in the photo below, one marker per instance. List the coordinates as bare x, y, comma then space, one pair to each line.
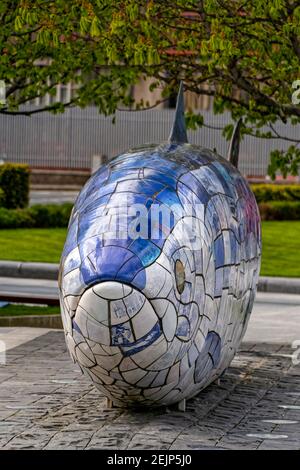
42, 45
230, 45
244, 54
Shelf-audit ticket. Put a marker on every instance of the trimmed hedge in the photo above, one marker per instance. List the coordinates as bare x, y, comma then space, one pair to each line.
37, 216
57, 215
14, 182
276, 192
2, 197
280, 210
278, 201
51, 215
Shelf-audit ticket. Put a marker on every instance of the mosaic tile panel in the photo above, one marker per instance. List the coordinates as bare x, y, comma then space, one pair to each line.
159, 270
144, 333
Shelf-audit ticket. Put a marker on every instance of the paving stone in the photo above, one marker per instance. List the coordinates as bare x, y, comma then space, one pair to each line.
29, 440
47, 404
149, 442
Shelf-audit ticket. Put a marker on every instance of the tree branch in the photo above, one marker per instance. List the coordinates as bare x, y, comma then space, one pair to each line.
29, 112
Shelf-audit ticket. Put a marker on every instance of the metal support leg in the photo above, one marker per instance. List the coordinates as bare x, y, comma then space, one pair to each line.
109, 403
182, 405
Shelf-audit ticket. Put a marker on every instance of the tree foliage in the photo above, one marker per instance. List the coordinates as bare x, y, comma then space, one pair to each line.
245, 54
44, 44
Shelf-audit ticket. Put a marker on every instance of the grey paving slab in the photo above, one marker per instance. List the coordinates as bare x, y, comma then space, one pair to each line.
47, 404
12, 337
275, 319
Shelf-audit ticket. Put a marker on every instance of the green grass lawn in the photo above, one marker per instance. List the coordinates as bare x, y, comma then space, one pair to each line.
281, 246
32, 244
12, 310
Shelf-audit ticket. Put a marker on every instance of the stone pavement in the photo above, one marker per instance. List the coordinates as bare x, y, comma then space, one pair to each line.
275, 318
47, 404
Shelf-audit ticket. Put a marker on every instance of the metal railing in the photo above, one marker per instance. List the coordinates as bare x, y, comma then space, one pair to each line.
70, 140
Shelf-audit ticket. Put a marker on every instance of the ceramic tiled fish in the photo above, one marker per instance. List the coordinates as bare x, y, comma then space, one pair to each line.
159, 270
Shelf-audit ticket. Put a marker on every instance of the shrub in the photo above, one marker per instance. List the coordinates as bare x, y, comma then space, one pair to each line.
280, 210
51, 215
57, 215
15, 218
38, 216
14, 182
276, 192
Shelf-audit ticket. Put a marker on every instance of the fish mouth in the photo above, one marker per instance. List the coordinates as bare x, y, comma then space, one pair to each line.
128, 345
118, 326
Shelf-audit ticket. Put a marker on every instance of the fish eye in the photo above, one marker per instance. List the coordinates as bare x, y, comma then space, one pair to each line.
179, 276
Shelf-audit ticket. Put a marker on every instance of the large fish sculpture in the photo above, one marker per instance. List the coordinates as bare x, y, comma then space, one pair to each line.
159, 270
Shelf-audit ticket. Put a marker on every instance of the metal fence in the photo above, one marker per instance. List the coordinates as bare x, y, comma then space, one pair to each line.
70, 140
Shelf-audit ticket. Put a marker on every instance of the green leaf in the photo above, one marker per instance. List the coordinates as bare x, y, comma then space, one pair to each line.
84, 24
18, 23
95, 31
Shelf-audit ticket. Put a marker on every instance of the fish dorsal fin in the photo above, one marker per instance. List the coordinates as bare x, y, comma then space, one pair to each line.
178, 132
234, 146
